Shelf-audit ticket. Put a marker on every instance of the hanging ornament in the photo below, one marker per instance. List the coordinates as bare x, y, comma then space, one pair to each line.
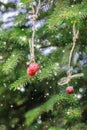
32, 69
66, 80
70, 90
33, 66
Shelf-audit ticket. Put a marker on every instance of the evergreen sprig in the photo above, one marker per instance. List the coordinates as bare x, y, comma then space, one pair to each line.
12, 61
33, 114
72, 14
21, 82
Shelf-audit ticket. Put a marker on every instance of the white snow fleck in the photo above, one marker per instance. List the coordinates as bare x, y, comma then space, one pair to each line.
80, 89
47, 94
22, 89
68, 112
63, 51
46, 82
80, 13
35, 90
12, 125
57, 64
78, 96
39, 121
1, 57
23, 38
11, 106
1, 105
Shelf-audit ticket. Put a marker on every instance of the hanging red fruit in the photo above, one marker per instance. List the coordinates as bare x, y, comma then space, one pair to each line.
30, 73
32, 69
70, 90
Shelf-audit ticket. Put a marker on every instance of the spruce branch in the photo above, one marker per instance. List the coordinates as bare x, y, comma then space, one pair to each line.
12, 61
47, 106
77, 13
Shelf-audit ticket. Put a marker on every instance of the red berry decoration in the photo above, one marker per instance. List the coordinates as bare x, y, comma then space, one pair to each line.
32, 69
70, 90
30, 73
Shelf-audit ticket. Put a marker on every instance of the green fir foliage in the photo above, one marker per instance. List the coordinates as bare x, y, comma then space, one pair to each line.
39, 102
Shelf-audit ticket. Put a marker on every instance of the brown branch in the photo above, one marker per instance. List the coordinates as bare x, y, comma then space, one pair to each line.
47, 46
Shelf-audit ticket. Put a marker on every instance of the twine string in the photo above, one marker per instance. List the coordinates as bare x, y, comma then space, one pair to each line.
32, 40
66, 80
75, 37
